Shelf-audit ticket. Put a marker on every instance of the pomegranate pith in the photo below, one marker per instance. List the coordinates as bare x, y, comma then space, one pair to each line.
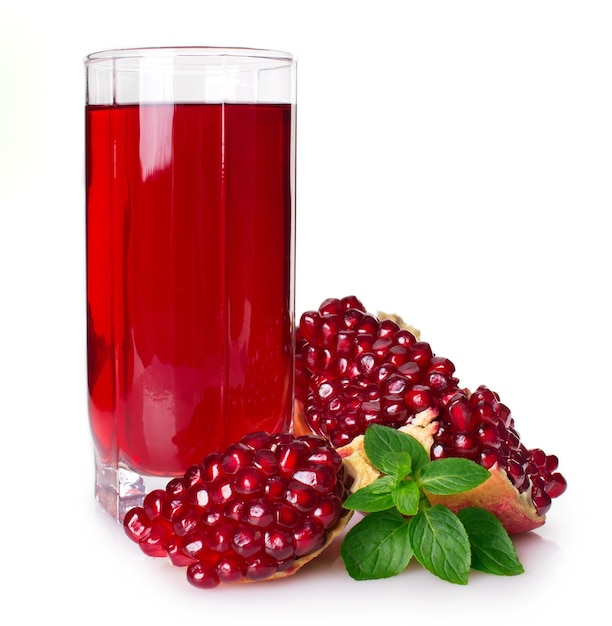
259, 510
354, 369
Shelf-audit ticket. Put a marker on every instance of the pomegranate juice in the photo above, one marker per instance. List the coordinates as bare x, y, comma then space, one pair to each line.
189, 279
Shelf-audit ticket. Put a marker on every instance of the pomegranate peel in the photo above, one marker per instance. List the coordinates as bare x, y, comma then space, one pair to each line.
359, 466
514, 509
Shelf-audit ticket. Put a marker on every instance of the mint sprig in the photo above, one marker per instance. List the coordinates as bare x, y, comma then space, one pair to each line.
400, 523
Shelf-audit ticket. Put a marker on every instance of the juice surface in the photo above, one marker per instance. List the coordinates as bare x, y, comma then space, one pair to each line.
189, 279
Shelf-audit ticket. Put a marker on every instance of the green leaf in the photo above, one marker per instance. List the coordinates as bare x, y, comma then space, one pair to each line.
406, 496
377, 546
441, 544
373, 497
379, 441
452, 475
492, 549
398, 464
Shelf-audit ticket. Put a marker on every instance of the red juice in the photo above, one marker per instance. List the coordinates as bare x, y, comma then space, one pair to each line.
189, 279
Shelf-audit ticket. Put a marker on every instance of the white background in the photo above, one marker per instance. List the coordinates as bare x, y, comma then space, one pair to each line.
454, 166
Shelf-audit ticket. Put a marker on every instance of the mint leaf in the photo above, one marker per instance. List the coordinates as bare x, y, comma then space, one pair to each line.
406, 496
492, 549
373, 497
379, 441
377, 546
398, 464
441, 544
452, 475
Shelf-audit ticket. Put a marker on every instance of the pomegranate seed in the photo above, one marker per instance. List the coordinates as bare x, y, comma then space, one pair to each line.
234, 510
137, 524
328, 330
275, 488
488, 459
221, 491
257, 441
176, 488
186, 521
410, 371
421, 353
237, 457
219, 537
398, 356
265, 461
194, 544
328, 510
289, 457
212, 514
152, 543
419, 398
247, 541
279, 544
556, 486
171, 508
260, 567
487, 434
552, 462
300, 496
203, 575
287, 516
331, 306
460, 414
309, 536
177, 556
352, 317
308, 325
211, 467
198, 494
542, 501
249, 481
193, 476
230, 568
319, 477
154, 502
465, 444
368, 325
405, 338
258, 513
352, 302
382, 345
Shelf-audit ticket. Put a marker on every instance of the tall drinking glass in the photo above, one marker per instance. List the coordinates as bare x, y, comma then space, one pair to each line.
190, 170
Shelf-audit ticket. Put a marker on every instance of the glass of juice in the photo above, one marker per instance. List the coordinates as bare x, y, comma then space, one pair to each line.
190, 192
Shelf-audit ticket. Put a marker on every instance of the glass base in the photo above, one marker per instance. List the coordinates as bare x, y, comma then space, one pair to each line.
119, 488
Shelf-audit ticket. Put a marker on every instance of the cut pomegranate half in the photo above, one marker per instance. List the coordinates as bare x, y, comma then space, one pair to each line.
259, 510
354, 369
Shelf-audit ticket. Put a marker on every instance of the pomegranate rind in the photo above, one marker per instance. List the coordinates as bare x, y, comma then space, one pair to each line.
498, 495
422, 428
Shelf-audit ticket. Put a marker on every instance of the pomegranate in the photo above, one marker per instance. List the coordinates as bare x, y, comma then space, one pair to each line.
259, 510
354, 369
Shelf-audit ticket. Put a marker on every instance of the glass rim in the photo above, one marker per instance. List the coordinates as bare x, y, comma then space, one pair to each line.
189, 51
